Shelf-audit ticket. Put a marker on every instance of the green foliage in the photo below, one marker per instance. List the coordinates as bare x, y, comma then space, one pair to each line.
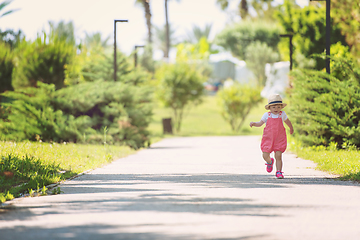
308, 28
236, 103
179, 85
326, 109
198, 54
43, 60
27, 170
344, 162
84, 109
6, 68
340, 68
257, 55
12, 38
125, 110
32, 165
236, 38
31, 115
346, 13
94, 65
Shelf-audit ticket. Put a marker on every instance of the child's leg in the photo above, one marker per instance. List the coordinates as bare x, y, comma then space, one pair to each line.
278, 157
267, 157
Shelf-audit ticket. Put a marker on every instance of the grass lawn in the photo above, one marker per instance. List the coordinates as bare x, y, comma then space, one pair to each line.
343, 162
205, 120
28, 166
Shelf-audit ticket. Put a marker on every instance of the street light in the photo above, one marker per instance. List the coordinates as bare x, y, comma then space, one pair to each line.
115, 21
135, 55
328, 29
290, 36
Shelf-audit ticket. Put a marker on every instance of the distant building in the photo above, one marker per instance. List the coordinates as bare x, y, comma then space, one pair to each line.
226, 66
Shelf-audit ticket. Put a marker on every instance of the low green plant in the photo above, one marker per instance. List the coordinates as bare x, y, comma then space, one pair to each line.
56, 191
344, 162
178, 86
34, 165
236, 103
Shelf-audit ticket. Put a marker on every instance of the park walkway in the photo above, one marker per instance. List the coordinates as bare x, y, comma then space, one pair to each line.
192, 188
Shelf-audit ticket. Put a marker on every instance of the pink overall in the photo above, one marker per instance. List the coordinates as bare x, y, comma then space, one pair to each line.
274, 136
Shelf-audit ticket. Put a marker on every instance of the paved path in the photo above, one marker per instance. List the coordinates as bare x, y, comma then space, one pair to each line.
192, 188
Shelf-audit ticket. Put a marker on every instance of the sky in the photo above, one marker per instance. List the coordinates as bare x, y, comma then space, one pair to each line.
93, 16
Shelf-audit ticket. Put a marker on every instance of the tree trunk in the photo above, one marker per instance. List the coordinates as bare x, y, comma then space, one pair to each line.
148, 19
166, 53
244, 10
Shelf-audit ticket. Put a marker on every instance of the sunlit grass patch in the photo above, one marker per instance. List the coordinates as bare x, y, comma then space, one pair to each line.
343, 162
205, 120
31, 165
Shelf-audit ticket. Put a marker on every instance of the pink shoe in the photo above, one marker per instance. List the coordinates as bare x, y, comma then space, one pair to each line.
269, 167
279, 175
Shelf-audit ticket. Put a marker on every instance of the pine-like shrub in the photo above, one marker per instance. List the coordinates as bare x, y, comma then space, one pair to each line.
6, 67
43, 60
325, 109
120, 111
93, 112
30, 116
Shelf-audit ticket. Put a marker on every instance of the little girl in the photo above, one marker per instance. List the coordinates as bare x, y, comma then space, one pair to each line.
274, 136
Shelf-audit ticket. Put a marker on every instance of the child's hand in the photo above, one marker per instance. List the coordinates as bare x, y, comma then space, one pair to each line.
291, 130
251, 124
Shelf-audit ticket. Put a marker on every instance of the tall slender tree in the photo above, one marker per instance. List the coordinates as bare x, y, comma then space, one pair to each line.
263, 8
147, 10
167, 30
243, 7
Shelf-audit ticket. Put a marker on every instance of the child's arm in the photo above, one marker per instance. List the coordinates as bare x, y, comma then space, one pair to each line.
287, 121
257, 124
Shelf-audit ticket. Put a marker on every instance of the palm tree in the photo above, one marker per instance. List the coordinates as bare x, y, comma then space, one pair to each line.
257, 5
243, 7
146, 5
161, 38
3, 5
197, 33
167, 30
65, 31
95, 40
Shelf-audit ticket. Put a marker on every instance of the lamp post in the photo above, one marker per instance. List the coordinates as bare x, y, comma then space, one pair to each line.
290, 36
135, 55
328, 29
115, 21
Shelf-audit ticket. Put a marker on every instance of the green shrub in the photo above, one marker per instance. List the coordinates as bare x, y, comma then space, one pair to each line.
30, 115
236, 102
237, 37
6, 68
125, 110
79, 113
43, 60
326, 109
179, 85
